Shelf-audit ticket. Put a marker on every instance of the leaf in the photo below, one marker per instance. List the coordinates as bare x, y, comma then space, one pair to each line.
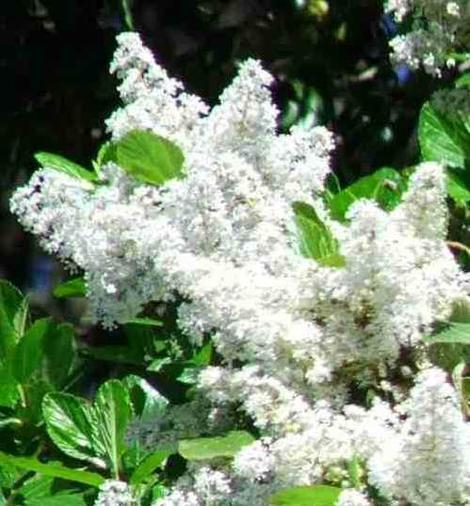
107, 153
112, 412
9, 393
113, 353
29, 351
207, 448
442, 138
189, 376
385, 186
59, 353
204, 356
450, 332
158, 364
149, 157
61, 164
463, 81
9, 475
456, 329
69, 422
13, 316
62, 499
317, 495
154, 461
52, 469
315, 239
36, 487
148, 402
146, 322
457, 188
75, 287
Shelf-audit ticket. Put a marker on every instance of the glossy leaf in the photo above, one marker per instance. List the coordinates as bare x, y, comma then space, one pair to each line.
207, 448
385, 186
70, 424
9, 393
457, 186
52, 469
442, 138
317, 495
107, 153
451, 332
71, 288
146, 322
315, 239
13, 317
148, 402
30, 350
59, 353
113, 353
149, 464
61, 499
112, 414
61, 164
149, 157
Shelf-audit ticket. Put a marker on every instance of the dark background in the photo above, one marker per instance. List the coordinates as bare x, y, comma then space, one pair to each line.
330, 60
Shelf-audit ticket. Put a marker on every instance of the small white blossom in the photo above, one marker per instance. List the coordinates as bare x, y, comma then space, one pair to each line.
115, 493
351, 497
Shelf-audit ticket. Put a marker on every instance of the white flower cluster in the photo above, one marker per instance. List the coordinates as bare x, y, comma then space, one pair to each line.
438, 29
115, 493
428, 460
224, 238
452, 102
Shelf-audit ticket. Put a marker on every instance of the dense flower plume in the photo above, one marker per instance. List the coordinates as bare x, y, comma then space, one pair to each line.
296, 338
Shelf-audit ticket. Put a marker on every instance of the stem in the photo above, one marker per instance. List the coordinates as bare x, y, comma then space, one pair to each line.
126, 7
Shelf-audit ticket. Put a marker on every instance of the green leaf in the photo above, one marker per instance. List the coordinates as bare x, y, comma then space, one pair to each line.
59, 353
207, 448
385, 186
149, 464
450, 332
112, 412
70, 424
457, 187
107, 153
148, 402
149, 157
158, 364
29, 351
13, 317
317, 495
456, 329
444, 139
463, 81
36, 487
189, 376
315, 239
9, 393
113, 353
146, 322
75, 287
9, 475
52, 469
61, 164
204, 356
62, 499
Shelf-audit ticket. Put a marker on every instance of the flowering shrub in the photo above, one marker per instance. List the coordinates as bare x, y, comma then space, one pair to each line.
321, 333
